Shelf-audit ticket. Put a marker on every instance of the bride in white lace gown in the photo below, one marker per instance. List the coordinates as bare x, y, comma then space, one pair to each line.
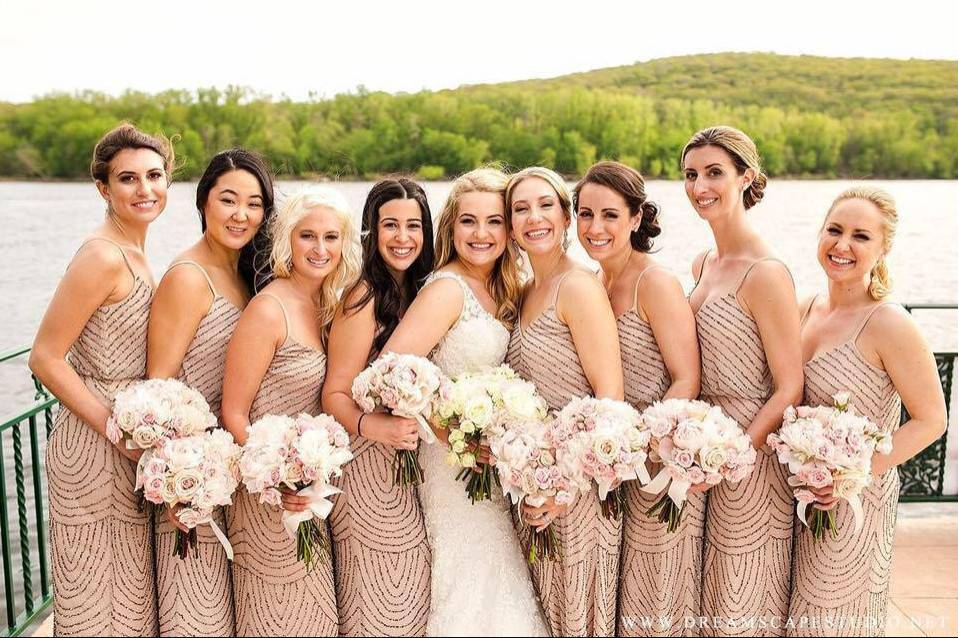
480, 581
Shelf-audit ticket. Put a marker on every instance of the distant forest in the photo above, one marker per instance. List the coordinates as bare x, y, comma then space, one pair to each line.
810, 116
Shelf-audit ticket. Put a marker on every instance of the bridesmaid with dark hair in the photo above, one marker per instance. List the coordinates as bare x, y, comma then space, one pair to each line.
840, 585
661, 572
196, 308
379, 535
565, 341
748, 328
91, 345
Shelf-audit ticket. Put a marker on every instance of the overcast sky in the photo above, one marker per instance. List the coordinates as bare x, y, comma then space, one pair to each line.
328, 47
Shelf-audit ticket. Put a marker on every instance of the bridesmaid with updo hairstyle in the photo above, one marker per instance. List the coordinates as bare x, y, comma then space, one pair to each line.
196, 308
379, 534
748, 328
275, 364
855, 340
91, 345
616, 223
566, 342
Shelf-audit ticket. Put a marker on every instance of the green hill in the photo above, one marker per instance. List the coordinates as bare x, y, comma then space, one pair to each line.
811, 116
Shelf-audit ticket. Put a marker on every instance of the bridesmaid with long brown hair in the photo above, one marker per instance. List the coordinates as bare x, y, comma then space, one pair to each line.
196, 308
659, 586
90, 345
565, 341
379, 534
855, 340
275, 364
748, 327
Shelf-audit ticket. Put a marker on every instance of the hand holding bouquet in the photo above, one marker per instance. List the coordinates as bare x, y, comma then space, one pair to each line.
301, 454
407, 386
602, 439
151, 412
195, 475
697, 444
529, 473
828, 446
481, 406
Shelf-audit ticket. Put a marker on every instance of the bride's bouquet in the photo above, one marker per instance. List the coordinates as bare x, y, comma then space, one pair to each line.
408, 386
301, 454
602, 439
530, 473
828, 445
195, 474
151, 412
696, 443
480, 407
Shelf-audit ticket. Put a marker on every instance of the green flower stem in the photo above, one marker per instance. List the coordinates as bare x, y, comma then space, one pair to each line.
406, 469
312, 545
667, 512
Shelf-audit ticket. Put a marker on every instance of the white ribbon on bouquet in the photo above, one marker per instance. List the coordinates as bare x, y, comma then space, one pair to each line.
678, 490
606, 485
856, 504
319, 506
425, 432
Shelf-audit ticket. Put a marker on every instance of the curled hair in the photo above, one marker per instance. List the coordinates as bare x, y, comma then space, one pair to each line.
293, 210
388, 297
505, 284
743, 152
628, 183
254, 253
880, 285
554, 180
127, 136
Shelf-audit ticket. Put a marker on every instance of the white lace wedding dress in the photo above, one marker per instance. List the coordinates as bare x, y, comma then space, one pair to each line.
480, 581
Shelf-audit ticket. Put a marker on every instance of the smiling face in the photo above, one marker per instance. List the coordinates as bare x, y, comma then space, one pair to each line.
479, 233
399, 236
851, 241
538, 221
234, 209
603, 223
712, 182
317, 244
136, 187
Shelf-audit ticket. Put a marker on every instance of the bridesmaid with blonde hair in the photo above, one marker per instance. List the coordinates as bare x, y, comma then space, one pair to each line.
748, 328
91, 345
275, 364
659, 586
379, 534
196, 308
565, 341
840, 585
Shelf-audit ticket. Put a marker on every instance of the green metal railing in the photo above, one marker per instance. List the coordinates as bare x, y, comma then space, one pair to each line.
22, 611
922, 480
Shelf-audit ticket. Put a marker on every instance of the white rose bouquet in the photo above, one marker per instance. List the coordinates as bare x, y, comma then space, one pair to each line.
151, 412
195, 474
301, 454
408, 386
828, 445
696, 443
529, 473
481, 406
602, 439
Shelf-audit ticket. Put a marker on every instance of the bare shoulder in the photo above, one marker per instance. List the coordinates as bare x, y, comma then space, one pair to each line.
354, 296
698, 263
580, 281
185, 281
658, 280
98, 259
769, 276
890, 322
442, 289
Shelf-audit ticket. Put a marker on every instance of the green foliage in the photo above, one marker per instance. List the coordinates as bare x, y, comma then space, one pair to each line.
810, 116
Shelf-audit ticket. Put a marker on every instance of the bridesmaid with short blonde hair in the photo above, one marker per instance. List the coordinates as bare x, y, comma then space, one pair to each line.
565, 341
275, 364
616, 224
855, 340
196, 308
91, 344
748, 328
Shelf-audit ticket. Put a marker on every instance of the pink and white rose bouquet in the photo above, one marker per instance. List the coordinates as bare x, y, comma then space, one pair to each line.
696, 443
828, 445
601, 441
408, 386
195, 475
300, 454
150, 413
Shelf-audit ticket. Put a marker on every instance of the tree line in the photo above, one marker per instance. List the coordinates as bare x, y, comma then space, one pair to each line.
811, 117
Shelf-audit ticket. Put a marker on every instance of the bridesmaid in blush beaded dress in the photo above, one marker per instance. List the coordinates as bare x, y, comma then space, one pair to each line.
91, 345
